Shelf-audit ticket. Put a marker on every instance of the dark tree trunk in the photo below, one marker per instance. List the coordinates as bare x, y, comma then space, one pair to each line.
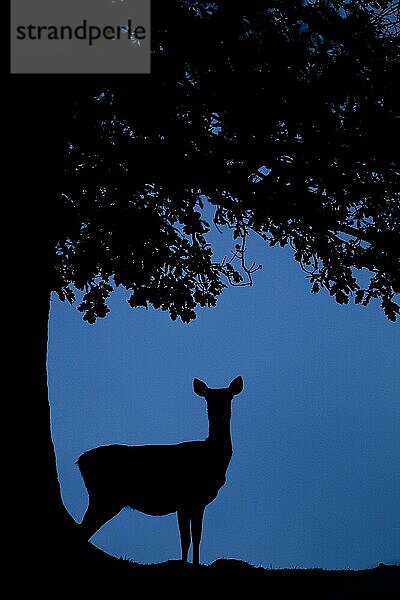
51, 502
43, 532
46, 519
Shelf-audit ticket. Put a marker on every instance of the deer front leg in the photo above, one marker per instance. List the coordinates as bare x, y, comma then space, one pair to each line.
197, 526
184, 530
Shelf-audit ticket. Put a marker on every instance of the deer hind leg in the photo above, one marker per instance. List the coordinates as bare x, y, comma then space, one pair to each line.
184, 530
197, 526
96, 515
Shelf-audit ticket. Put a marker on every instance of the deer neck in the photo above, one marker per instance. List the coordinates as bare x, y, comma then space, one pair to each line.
219, 434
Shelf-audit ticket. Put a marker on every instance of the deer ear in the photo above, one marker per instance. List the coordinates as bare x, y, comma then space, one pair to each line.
200, 387
236, 386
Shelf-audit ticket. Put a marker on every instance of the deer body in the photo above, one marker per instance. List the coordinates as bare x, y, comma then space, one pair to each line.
162, 479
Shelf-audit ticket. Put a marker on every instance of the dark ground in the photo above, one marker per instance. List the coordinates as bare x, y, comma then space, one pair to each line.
98, 575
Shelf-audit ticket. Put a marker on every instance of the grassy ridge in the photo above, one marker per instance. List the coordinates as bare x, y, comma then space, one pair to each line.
100, 575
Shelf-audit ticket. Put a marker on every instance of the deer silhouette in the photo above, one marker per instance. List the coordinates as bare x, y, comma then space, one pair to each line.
162, 479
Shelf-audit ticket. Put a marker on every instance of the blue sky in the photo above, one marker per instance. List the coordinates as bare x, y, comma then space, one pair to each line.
314, 478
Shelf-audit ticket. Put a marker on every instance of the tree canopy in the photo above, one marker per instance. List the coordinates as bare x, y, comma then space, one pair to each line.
284, 116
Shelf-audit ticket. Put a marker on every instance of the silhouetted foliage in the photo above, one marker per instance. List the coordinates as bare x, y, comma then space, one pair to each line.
284, 115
